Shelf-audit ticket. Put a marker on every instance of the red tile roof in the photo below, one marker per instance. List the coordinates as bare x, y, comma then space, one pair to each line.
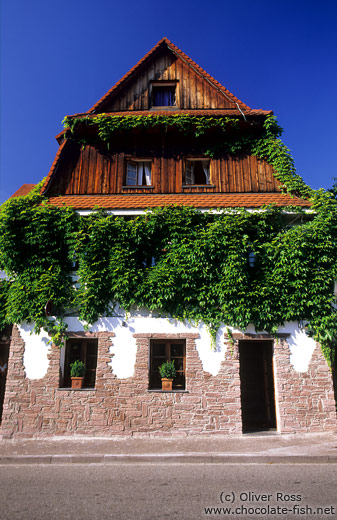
198, 200
206, 112
53, 166
23, 190
183, 57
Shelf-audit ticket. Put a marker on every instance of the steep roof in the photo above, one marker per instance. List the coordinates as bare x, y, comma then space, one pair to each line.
164, 57
165, 44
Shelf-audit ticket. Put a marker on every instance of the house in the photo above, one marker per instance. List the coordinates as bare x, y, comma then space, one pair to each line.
153, 141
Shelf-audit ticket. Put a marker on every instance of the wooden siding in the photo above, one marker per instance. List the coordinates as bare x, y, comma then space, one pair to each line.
93, 171
193, 91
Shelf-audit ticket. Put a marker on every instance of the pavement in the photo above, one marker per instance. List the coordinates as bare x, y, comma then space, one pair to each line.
271, 448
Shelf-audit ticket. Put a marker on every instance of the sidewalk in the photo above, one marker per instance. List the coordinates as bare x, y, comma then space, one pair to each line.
248, 448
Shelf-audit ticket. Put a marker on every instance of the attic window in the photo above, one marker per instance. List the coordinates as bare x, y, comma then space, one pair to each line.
197, 171
164, 94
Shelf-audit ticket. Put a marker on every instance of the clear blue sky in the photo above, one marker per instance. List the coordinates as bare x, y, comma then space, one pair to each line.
59, 58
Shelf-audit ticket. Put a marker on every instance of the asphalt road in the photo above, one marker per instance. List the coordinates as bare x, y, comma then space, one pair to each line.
175, 491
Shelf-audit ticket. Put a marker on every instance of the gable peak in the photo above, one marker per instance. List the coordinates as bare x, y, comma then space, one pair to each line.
169, 48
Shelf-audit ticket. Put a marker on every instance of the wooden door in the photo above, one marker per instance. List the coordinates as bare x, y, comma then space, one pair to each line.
257, 385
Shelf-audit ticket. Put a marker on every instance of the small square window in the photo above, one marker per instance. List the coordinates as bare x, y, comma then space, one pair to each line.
84, 350
197, 171
167, 350
164, 96
138, 173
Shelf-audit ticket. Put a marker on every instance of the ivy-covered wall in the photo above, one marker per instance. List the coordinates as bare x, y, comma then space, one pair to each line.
212, 136
191, 265
177, 260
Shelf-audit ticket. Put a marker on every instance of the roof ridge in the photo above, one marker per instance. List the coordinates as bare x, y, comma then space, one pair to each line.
126, 76
204, 73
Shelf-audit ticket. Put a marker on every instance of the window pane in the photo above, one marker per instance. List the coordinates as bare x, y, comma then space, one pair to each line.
199, 173
178, 363
189, 173
75, 350
89, 379
147, 173
177, 349
91, 362
156, 364
92, 348
131, 174
84, 350
155, 381
179, 381
164, 96
158, 349
166, 351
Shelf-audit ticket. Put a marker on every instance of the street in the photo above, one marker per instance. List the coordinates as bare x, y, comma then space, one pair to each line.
171, 491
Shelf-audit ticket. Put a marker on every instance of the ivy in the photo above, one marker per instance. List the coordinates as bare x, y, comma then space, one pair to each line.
274, 151
34, 256
193, 266
260, 140
176, 260
109, 124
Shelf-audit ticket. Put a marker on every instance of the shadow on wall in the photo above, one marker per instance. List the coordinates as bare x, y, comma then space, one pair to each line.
334, 375
4, 353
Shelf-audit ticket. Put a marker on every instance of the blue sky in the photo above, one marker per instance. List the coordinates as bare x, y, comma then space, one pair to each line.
59, 58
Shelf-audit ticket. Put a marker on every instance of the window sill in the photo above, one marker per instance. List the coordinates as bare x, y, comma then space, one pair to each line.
137, 187
160, 391
164, 107
198, 186
77, 389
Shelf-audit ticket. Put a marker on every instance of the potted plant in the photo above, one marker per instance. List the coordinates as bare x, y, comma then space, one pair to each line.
168, 373
77, 371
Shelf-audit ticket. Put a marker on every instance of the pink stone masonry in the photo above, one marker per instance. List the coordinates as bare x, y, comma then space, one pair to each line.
305, 399
209, 405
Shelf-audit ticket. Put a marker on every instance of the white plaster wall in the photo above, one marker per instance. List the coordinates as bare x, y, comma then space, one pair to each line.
141, 321
35, 358
124, 344
301, 346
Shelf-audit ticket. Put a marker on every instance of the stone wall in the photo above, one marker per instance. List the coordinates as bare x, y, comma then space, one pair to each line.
305, 399
209, 404
121, 406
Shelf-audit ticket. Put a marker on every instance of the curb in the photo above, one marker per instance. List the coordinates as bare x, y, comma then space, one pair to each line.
168, 458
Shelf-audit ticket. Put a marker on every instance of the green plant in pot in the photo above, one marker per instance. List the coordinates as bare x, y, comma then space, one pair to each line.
77, 372
167, 373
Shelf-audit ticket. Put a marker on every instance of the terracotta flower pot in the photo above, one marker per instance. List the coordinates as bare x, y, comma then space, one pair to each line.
166, 384
77, 382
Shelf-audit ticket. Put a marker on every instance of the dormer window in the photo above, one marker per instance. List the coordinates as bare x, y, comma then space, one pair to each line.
197, 171
164, 94
138, 173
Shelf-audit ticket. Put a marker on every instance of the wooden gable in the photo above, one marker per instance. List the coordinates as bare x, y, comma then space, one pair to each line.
87, 171
164, 65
